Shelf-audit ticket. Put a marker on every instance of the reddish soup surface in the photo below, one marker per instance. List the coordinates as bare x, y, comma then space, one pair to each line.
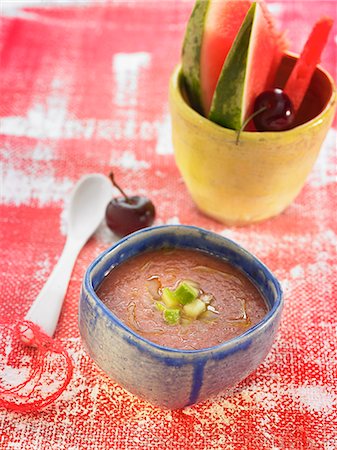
132, 291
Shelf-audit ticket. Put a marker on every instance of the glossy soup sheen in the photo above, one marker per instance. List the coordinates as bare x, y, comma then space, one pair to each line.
131, 290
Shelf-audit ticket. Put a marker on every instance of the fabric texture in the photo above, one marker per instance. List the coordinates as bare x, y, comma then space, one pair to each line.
84, 89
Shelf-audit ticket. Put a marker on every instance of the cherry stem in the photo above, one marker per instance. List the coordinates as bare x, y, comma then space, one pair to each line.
246, 122
112, 178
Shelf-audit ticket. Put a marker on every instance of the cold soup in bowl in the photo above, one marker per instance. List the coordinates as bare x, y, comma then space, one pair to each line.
182, 298
177, 314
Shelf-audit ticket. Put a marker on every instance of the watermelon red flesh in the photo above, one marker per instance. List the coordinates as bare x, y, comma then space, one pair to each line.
222, 23
299, 79
266, 49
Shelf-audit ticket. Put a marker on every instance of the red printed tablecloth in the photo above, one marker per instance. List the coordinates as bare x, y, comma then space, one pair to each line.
83, 89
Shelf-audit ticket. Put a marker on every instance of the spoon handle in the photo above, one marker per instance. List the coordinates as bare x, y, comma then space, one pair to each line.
46, 308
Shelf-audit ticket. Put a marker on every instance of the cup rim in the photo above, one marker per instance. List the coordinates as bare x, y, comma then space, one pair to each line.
193, 116
223, 347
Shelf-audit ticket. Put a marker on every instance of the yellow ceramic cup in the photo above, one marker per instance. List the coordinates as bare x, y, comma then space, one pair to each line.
260, 176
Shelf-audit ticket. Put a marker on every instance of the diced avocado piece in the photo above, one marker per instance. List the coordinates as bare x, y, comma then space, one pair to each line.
160, 306
172, 316
195, 308
169, 298
186, 293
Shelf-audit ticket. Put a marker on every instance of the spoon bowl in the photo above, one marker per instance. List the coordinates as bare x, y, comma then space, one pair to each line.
87, 205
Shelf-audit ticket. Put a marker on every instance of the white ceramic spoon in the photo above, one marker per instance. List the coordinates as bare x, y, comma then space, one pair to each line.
86, 211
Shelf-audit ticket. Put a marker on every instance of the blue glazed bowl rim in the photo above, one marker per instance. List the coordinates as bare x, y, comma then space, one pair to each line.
223, 346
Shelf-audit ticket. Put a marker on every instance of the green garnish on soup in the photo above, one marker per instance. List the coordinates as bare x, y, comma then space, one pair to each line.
184, 302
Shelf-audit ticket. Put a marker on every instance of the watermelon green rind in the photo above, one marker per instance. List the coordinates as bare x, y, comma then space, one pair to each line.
191, 53
226, 107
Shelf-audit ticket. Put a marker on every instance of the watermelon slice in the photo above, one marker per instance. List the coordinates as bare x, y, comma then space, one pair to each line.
191, 49
222, 23
249, 69
210, 33
299, 79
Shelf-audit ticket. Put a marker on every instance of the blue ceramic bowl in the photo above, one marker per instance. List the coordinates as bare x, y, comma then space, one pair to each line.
168, 377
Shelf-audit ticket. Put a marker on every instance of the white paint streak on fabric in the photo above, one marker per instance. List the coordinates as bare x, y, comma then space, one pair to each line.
43, 121
44, 267
128, 160
21, 188
173, 220
33, 125
314, 398
323, 172
297, 272
164, 141
126, 68
43, 153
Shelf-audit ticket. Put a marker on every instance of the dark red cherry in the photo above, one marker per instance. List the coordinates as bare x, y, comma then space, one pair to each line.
277, 112
127, 214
